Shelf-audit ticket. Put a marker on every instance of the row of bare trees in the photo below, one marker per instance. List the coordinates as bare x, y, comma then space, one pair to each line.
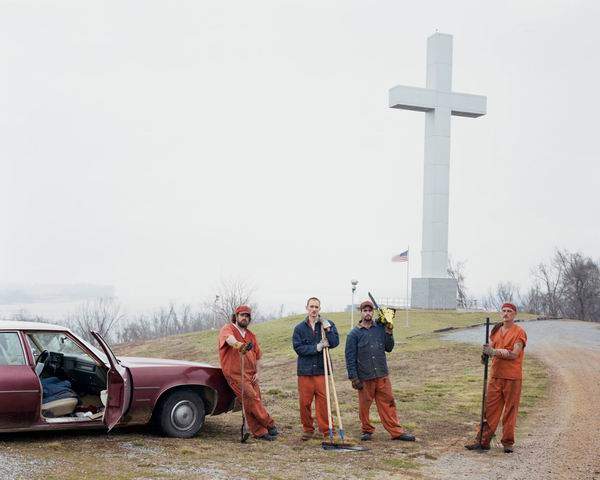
107, 316
567, 286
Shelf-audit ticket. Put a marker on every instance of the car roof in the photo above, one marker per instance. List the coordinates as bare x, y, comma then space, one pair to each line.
16, 325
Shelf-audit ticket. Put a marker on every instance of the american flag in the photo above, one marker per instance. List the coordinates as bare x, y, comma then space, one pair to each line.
403, 257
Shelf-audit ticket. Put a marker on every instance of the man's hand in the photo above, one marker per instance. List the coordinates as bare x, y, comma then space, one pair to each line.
322, 344
357, 384
488, 350
326, 325
389, 329
242, 347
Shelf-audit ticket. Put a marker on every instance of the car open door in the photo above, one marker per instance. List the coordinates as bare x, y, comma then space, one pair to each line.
118, 388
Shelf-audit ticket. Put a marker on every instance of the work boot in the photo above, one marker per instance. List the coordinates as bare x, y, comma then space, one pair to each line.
273, 431
478, 447
307, 436
405, 437
267, 437
508, 449
366, 436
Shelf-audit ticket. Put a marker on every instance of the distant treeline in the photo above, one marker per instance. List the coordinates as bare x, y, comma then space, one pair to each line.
106, 315
567, 286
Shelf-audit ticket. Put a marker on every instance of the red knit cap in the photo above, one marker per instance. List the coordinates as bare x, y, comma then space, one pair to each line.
509, 305
243, 309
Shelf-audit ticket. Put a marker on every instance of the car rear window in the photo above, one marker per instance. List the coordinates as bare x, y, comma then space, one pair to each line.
11, 351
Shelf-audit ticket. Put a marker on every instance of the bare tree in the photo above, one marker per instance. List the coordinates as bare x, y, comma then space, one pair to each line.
456, 271
580, 286
103, 315
533, 301
165, 321
504, 292
230, 294
549, 281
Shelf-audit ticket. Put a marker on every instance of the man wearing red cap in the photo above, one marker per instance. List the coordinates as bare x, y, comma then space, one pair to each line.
366, 348
235, 340
507, 349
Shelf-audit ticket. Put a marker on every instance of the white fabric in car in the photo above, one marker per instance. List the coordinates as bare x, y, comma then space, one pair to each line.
60, 407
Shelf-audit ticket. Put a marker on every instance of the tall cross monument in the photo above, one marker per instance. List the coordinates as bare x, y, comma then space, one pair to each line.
439, 102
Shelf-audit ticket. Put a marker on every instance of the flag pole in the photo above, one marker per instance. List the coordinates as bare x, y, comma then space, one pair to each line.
407, 269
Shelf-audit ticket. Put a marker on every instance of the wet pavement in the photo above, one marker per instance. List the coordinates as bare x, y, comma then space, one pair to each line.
541, 334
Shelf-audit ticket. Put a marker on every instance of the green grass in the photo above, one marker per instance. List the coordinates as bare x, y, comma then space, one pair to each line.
437, 387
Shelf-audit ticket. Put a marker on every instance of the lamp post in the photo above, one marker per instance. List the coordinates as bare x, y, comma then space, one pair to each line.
354, 283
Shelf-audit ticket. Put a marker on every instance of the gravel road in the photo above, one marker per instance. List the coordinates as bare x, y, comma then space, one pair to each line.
565, 443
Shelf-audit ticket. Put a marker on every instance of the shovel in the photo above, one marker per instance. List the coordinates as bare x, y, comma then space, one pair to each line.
331, 445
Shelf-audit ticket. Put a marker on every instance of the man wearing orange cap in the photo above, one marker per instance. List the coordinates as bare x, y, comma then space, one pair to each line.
235, 340
366, 348
507, 349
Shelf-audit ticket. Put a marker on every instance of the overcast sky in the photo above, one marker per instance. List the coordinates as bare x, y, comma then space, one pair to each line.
159, 146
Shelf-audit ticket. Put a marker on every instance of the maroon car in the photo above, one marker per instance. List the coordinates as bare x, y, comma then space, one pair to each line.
52, 379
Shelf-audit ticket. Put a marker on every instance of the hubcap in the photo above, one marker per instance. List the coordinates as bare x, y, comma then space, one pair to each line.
183, 415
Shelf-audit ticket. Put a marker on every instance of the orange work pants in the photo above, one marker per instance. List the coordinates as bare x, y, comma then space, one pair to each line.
313, 387
380, 390
502, 394
257, 417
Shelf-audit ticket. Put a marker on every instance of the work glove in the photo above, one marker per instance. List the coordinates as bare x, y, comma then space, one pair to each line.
326, 324
357, 384
322, 344
243, 347
386, 317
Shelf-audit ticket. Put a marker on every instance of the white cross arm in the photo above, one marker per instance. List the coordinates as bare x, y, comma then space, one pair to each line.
426, 100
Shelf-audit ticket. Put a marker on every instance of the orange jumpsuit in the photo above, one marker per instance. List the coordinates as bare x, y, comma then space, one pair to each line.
504, 387
259, 420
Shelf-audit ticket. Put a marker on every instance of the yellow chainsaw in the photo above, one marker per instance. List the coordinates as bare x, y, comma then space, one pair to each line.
386, 314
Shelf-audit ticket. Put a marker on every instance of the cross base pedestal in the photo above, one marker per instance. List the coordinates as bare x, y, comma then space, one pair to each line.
433, 293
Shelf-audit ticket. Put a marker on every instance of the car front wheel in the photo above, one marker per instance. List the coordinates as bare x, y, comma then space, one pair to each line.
182, 414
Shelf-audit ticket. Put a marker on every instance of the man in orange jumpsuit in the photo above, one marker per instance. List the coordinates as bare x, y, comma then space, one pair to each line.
507, 349
235, 340
366, 347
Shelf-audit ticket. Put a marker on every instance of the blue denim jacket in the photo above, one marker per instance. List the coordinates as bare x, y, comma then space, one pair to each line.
365, 352
310, 361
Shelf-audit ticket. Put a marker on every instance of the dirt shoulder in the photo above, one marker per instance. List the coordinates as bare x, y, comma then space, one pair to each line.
563, 440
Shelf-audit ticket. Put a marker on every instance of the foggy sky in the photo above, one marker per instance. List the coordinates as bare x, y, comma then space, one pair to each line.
162, 146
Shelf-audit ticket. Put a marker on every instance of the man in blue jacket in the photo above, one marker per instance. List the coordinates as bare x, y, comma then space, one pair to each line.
309, 343
366, 362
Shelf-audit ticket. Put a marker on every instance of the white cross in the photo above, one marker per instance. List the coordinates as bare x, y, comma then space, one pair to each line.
439, 103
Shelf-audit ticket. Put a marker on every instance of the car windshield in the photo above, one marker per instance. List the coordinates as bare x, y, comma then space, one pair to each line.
60, 342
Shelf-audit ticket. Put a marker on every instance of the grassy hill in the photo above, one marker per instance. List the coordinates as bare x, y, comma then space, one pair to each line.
437, 386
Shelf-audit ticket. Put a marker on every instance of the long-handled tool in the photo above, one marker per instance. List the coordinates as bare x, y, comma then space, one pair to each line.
335, 398
326, 368
331, 445
486, 359
244, 433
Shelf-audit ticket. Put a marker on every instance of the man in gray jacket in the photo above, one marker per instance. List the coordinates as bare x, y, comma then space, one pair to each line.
366, 362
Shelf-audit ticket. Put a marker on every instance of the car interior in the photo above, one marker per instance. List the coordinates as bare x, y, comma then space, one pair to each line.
73, 382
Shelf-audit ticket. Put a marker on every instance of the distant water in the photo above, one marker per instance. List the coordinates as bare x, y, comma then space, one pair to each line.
55, 311
541, 334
